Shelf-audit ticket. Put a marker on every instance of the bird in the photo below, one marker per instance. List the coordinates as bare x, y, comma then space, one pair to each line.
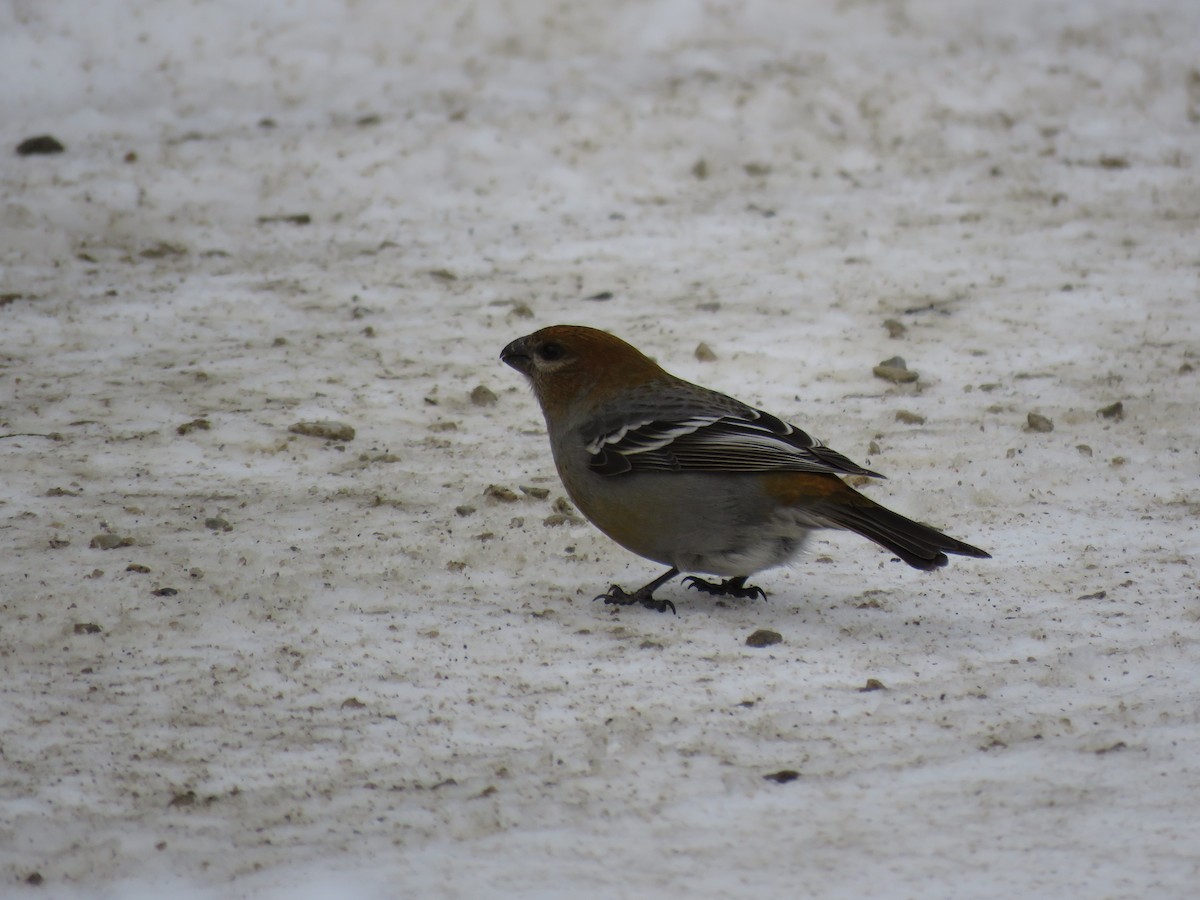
691, 478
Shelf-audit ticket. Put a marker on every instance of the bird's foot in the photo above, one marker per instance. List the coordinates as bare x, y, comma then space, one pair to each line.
730, 587
645, 596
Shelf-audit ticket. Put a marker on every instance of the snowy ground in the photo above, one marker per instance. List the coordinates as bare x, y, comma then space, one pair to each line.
371, 677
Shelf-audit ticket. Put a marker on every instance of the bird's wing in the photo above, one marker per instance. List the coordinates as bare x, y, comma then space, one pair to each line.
744, 441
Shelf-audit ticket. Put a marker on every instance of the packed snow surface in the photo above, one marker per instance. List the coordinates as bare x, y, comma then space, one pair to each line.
241, 660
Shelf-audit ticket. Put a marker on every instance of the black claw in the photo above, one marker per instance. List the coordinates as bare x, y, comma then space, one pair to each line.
660, 605
730, 587
643, 595
616, 595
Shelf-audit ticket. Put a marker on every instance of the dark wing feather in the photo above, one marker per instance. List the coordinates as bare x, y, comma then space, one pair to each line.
918, 544
745, 441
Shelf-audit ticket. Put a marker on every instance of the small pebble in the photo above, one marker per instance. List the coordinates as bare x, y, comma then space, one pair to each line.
783, 776
906, 417
537, 493
705, 353
40, 145
87, 628
216, 523
1113, 411
895, 370
764, 638
327, 429
108, 541
1084, 449
194, 425
286, 219
1039, 423
501, 494
379, 458
894, 328
162, 250
873, 684
483, 396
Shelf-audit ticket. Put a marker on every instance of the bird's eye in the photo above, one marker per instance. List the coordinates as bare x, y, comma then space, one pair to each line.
550, 351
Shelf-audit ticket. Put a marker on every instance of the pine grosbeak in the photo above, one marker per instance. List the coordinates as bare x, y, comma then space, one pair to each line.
691, 478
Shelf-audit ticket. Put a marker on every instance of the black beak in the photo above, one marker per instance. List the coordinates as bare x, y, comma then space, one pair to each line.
516, 355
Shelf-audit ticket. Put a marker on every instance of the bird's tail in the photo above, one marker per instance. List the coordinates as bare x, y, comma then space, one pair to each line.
918, 545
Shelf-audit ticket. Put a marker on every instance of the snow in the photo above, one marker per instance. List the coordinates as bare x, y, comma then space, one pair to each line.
357, 691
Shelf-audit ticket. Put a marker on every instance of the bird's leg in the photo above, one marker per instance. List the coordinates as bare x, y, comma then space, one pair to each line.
643, 595
730, 587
